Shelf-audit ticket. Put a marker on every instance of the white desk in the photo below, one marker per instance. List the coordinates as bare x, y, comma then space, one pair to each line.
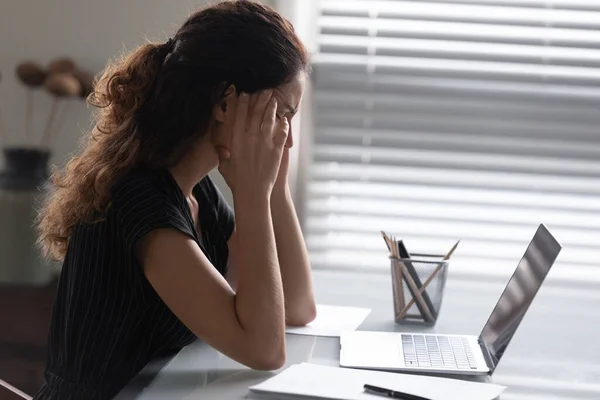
554, 355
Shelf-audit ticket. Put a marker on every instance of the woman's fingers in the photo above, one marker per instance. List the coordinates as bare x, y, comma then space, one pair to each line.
259, 109
230, 107
257, 143
270, 118
281, 133
224, 154
239, 125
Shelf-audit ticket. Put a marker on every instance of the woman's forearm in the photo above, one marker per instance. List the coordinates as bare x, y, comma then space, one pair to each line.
294, 263
259, 296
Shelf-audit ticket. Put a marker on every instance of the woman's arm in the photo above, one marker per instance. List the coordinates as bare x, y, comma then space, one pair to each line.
300, 308
294, 264
247, 326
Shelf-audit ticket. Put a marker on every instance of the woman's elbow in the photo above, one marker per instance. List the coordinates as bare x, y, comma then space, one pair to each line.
269, 361
302, 316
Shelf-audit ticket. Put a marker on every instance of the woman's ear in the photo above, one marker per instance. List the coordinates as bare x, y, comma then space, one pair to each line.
221, 109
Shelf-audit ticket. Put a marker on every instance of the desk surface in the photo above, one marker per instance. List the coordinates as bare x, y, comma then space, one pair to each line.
555, 354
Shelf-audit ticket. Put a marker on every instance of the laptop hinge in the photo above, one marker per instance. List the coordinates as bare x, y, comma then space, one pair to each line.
487, 356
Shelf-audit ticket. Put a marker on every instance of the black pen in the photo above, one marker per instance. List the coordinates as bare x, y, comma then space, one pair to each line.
391, 393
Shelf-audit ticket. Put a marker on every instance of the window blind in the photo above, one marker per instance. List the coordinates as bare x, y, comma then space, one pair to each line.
444, 120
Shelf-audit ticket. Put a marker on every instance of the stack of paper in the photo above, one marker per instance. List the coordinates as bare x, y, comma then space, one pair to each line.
332, 321
322, 382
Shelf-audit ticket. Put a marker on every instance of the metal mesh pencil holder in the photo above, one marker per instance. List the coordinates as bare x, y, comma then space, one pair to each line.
418, 289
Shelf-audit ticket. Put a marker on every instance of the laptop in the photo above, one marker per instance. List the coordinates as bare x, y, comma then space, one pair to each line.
458, 354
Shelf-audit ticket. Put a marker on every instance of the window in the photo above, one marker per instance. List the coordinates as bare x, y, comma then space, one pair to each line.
443, 120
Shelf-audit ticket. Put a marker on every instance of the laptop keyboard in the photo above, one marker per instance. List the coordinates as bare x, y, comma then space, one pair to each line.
432, 351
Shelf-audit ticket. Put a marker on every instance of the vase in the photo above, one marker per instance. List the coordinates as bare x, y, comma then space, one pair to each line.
21, 187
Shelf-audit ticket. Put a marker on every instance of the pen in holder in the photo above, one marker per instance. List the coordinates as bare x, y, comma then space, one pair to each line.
418, 289
417, 284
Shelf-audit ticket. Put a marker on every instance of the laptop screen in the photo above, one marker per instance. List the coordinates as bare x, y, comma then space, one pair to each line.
519, 293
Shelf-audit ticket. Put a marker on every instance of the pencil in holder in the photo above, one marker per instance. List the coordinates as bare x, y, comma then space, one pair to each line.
418, 289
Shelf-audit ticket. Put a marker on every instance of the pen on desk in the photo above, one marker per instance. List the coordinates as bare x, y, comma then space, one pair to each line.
379, 391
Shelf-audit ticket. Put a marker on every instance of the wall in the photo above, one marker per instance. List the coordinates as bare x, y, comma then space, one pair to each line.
91, 32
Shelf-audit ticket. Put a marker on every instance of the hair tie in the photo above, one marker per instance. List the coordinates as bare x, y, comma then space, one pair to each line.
166, 50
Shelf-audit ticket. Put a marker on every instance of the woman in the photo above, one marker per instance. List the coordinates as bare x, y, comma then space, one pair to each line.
153, 257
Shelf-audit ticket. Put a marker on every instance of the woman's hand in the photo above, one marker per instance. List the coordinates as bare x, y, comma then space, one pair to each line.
251, 165
281, 183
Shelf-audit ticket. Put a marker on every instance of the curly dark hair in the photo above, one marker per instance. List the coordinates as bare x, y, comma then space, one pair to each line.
154, 104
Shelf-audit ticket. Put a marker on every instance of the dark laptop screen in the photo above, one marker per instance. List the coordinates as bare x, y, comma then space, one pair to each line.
519, 293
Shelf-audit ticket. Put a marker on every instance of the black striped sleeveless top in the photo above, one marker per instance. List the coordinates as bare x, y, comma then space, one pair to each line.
108, 322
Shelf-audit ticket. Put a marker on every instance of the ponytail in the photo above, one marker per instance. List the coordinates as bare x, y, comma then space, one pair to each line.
81, 192
126, 85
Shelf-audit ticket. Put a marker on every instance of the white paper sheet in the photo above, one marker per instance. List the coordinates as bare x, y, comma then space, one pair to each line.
323, 382
332, 321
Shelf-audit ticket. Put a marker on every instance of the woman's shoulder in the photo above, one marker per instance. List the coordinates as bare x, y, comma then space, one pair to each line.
142, 188
144, 200
142, 181
139, 178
